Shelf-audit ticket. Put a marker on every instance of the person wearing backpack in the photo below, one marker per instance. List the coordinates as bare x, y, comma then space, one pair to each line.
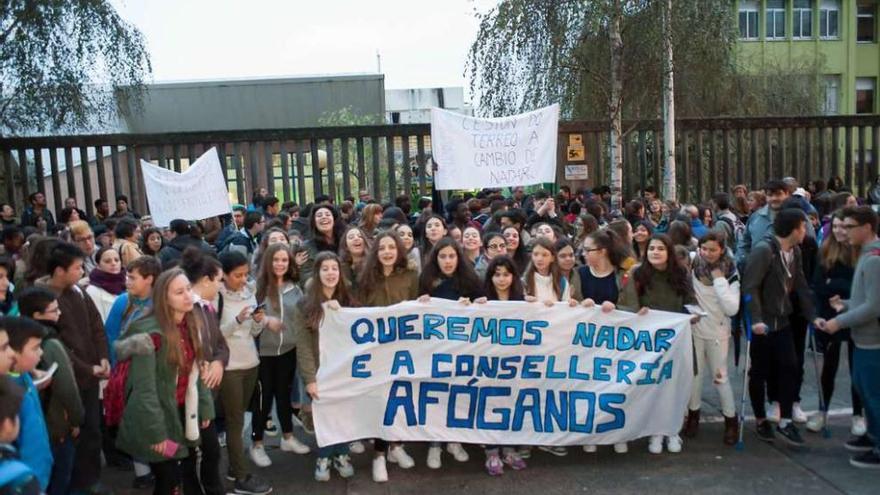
167, 403
861, 314
15, 476
61, 402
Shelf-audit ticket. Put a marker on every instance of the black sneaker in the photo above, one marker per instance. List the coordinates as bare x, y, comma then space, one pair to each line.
866, 460
790, 434
252, 486
859, 444
143, 482
765, 431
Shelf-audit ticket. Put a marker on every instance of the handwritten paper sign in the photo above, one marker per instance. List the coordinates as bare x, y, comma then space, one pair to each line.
197, 193
511, 151
511, 373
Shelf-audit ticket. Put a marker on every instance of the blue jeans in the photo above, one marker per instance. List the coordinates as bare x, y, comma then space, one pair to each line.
63, 453
333, 450
866, 378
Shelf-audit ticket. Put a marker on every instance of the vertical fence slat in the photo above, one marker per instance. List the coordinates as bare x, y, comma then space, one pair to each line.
317, 180
794, 146
252, 185
86, 177
808, 155
346, 167
657, 159
130, 160
331, 170
420, 159
23, 174
377, 189
780, 134
56, 180
101, 172
726, 162
847, 157
768, 154
175, 157
9, 171
38, 170
599, 168
699, 164
301, 174
740, 158
753, 158
823, 156
285, 170
392, 172
835, 152
115, 171
268, 160
685, 166
407, 172
643, 160
713, 168
70, 174
362, 171
236, 165
864, 182
875, 152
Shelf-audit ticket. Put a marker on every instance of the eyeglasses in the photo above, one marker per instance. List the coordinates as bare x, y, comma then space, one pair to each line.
497, 246
85, 239
849, 226
590, 250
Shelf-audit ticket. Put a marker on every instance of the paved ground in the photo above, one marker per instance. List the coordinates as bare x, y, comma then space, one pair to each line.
705, 466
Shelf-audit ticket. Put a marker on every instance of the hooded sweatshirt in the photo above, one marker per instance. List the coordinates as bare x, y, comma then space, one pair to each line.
33, 439
239, 336
278, 343
862, 313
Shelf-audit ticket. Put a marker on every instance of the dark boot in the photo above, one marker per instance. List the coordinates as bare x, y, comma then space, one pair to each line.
731, 430
691, 424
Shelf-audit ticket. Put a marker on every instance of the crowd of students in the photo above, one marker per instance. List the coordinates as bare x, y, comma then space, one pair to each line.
123, 344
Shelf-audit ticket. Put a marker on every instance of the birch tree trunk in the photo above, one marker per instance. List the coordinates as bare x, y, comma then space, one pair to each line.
670, 191
615, 103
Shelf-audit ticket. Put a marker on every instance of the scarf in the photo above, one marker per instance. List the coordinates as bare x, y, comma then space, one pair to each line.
112, 283
703, 269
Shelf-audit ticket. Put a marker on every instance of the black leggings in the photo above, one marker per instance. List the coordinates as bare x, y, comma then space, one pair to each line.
773, 354
172, 475
830, 364
276, 380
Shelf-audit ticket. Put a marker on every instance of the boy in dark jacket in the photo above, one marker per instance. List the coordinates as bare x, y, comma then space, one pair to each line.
774, 274
16, 478
61, 402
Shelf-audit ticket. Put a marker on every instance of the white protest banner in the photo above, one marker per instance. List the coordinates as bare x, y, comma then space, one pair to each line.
197, 193
472, 153
512, 373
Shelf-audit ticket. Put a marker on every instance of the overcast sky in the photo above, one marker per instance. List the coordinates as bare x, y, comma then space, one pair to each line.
423, 43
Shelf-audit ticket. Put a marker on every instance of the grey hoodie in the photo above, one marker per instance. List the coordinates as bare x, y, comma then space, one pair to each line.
278, 343
863, 307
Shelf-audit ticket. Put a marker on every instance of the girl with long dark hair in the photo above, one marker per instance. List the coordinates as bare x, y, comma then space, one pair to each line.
328, 286
658, 282
433, 230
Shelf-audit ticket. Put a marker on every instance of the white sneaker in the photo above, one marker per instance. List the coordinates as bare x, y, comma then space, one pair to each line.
457, 451
356, 447
859, 427
380, 471
816, 423
673, 444
797, 414
258, 455
621, 448
434, 457
398, 455
773, 413
655, 445
590, 449
291, 444
342, 464
322, 469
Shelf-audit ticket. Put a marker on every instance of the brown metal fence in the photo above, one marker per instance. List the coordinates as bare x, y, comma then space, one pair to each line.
387, 160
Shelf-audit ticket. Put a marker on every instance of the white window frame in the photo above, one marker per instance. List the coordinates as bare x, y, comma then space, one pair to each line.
750, 7
797, 16
872, 15
772, 14
831, 81
826, 7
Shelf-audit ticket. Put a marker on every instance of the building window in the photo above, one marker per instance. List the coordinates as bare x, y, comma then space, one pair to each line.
748, 19
831, 95
865, 88
829, 19
802, 21
775, 19
866, 28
